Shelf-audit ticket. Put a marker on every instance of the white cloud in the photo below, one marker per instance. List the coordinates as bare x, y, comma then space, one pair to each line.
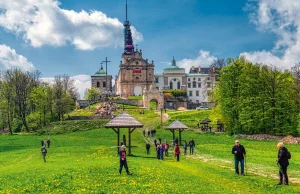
204, 59
281, 17
9, 58
43, 22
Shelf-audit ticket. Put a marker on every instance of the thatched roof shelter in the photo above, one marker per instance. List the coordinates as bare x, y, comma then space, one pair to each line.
177, 125
124, 120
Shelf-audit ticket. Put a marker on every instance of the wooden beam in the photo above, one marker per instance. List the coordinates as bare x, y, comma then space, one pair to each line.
114, 130
129, 141
118, 149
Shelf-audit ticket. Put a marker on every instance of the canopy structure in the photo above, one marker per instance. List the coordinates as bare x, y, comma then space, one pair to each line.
177, 125
205, 122
124, 120
220, 125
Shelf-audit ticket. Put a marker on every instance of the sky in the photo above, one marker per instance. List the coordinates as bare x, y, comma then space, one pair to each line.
73, 36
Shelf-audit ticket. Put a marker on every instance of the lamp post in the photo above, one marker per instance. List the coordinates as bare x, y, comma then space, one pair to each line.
123, 105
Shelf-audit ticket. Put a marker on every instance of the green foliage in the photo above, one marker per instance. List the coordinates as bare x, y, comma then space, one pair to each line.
17, 125
176, 93
135, 97
92, 93
257, 98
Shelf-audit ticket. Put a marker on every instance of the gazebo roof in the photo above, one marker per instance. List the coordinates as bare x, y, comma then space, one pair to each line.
123, 120
177, 125
219, 122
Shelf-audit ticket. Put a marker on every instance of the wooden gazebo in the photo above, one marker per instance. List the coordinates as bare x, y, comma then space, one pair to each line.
177, 125
205, 123
220, 125
124, 120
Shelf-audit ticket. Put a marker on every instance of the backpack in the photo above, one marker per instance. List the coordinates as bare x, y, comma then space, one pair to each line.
288, 154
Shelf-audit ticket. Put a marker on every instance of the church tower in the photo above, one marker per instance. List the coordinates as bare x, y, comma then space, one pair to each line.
135, 73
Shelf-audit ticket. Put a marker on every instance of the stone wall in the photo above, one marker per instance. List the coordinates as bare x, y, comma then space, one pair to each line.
175, 105
138, 103
85, 103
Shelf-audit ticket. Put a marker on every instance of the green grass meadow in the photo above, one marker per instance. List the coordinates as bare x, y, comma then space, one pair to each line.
84, 160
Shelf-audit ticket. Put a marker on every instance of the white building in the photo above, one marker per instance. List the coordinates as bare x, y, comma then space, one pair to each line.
200, 82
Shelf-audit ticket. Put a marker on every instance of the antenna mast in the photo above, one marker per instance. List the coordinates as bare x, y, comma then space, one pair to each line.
126, 10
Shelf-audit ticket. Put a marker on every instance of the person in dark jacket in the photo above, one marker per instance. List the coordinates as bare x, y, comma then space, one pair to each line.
155, 143
177, 152
44, 152
283, 161
239, 154
148, 147
192, 146
123, 161
48, 142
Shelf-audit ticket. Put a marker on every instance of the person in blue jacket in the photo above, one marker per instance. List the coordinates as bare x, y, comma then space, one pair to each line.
123, 161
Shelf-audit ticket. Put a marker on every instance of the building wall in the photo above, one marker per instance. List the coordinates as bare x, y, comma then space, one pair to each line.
206, 84
100, 80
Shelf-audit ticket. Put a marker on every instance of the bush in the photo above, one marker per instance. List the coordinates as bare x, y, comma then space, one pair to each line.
176, 93
17, 125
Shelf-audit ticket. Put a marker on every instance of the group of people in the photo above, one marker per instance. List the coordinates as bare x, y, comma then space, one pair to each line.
45, 143
107, 108
149, 133
282, 160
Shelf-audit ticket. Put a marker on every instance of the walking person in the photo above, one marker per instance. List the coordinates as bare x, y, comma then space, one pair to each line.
158, 151
185, 147
192, 146
177, 152
123, 161
148, 148
48, 142
161, 152
173, 144
155, 145
44, 152
144, 132
166, 148
283, 161
239, 154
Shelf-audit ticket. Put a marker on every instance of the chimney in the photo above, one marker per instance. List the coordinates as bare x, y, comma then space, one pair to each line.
193, 68
199, 69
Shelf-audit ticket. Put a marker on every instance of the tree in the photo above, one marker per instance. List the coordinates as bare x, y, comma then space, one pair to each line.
7, 96
93, 93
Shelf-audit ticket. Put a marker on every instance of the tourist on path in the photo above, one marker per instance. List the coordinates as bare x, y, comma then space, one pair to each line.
161, 152
155, 143
184, 147
144, 132
158, 151
166, 148
159, 139
176, 140
239, 154
192, 146
283, 161
48, 142
123, 161
148, 148
44, 152
177, 152
173, 144
42, 142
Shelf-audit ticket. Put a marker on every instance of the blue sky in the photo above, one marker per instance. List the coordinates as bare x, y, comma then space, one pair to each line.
194, 31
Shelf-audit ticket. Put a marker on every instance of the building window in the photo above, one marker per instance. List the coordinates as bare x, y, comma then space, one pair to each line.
178, 85
189, 85
194, 79
199, 79
191, 93
199, 85
136, 63
197, 93
194, 84
156, 80
208, 78
104, 84
208, 84
189, 79
98, 84
171, 85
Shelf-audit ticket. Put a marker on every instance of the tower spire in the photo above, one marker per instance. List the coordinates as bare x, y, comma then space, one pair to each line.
126, 11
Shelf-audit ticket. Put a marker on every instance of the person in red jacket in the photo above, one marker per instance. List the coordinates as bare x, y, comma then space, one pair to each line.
177, 152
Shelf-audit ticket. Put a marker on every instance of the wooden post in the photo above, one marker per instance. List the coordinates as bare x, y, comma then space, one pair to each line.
180, 130
173, 131
118, 148
129, 142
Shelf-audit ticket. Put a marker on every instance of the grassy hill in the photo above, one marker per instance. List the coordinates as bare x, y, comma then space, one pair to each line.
85, 161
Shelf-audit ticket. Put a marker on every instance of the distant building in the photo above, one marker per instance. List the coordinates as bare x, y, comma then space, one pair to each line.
135, 73
173, 78
200, 82
99, 80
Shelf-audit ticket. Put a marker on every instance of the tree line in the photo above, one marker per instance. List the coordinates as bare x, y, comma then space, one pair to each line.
258, 98
27, 103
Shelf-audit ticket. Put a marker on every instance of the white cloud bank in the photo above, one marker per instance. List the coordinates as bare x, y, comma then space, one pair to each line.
281, 17
9, 58
43, 22
204, 59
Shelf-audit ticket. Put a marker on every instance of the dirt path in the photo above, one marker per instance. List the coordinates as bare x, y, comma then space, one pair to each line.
227, 164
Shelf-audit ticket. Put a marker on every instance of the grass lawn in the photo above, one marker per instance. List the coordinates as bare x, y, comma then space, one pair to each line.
86, 161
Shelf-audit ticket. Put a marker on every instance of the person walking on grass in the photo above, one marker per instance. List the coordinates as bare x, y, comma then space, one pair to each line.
48, 142
44, 152
161, 152
239, 155
192, 146
166, 148
123, 161
158, 151
148, 147
283, 161
184, 147
177, 152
